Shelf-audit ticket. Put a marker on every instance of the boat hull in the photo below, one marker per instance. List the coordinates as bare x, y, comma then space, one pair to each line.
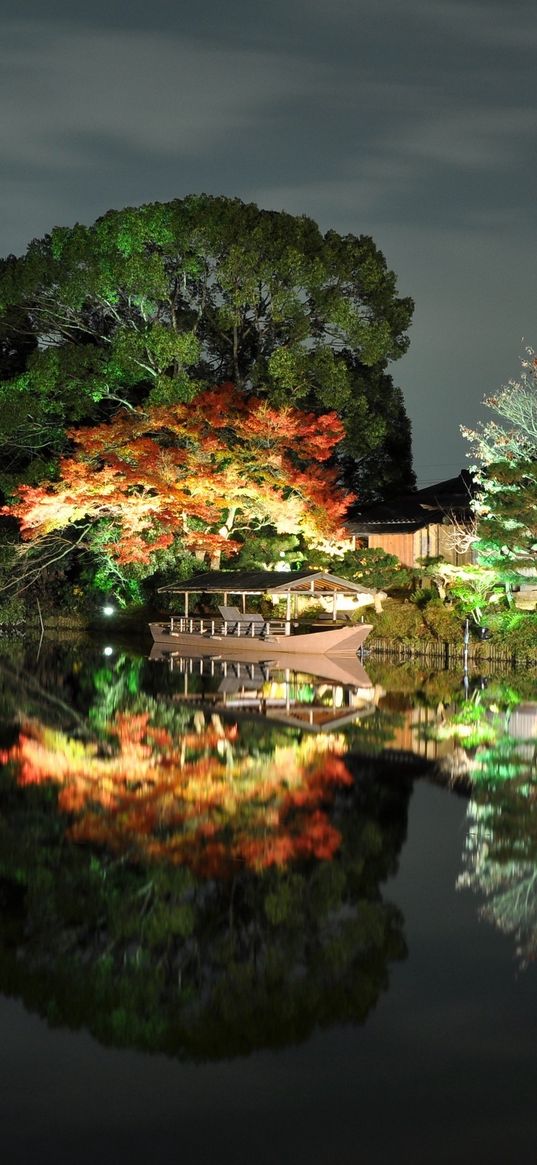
340, 642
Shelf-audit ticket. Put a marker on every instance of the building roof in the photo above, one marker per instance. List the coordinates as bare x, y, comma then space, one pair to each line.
268, 582
433, 505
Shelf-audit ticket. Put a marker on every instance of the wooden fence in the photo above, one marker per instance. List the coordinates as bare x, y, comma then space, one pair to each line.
446, 654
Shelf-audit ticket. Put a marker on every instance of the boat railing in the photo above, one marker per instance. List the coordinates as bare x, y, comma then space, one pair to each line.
238, 628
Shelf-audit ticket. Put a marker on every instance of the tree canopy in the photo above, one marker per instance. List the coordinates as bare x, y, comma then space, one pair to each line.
506, 475
197, 478
151, 305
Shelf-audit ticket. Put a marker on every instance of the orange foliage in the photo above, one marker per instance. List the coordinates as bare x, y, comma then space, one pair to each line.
191, 800
153, 474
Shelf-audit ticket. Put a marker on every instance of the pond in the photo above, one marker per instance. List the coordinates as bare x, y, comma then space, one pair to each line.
243, 921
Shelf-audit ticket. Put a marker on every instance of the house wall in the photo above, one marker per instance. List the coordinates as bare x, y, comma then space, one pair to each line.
432, 541
402, 545
447, 537
427, 542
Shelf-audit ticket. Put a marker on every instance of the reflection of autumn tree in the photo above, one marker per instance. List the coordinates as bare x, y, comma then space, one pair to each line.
192, 798
145, 951
124, 932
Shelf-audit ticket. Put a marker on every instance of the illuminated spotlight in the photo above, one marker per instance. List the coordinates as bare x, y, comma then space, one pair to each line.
108, 650
108, 610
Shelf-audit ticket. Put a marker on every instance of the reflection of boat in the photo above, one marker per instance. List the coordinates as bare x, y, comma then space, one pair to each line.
252, 634
317, 694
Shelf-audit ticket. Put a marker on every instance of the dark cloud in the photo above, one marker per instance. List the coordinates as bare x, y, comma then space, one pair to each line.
412, 122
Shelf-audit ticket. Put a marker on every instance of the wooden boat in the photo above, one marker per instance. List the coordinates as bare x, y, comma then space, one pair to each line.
202, 634
249, 633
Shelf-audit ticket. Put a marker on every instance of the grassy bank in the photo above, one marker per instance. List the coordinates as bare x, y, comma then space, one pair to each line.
436, 631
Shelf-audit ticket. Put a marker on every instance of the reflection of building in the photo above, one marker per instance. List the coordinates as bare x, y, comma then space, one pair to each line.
427, 523
523, 721
411, 734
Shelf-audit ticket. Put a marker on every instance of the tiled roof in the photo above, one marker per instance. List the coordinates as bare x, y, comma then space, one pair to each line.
430, 506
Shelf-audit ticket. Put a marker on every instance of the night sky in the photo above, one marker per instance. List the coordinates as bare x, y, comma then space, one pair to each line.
413, 121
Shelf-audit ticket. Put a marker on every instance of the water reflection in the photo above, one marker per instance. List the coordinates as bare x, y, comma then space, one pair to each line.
485, 738
501, 868
339, 692
192, 852
500, 859
480, 733
183, 881
185, 788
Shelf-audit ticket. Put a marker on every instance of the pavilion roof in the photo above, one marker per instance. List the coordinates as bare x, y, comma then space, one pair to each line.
267, 582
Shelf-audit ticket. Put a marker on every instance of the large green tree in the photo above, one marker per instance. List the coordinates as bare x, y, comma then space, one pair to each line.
155, 303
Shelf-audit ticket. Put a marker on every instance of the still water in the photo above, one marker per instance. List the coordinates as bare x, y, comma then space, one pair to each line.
236, 928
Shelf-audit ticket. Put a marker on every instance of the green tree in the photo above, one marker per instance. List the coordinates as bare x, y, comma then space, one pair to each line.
505, 471
154, 303
377, 457
371, 567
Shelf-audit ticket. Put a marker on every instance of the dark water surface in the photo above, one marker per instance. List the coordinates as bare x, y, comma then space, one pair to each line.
424, 1047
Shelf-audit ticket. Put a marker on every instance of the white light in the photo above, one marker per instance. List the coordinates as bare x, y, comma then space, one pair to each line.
108, 650
108, 610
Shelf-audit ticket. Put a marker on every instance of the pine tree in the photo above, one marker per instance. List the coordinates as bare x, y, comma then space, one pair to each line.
505, 473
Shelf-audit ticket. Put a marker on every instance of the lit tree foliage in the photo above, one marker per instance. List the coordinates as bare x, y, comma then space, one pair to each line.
202, 475
155, 303
149, 954
224, 892
371, 567
501, 847
506, 476
192, 799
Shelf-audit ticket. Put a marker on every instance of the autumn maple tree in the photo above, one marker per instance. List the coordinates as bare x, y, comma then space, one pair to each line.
193, 478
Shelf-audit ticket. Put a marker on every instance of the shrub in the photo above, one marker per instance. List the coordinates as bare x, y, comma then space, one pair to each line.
12, 611
516, 630
397, 620
370, 567
443, 622
408, 620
